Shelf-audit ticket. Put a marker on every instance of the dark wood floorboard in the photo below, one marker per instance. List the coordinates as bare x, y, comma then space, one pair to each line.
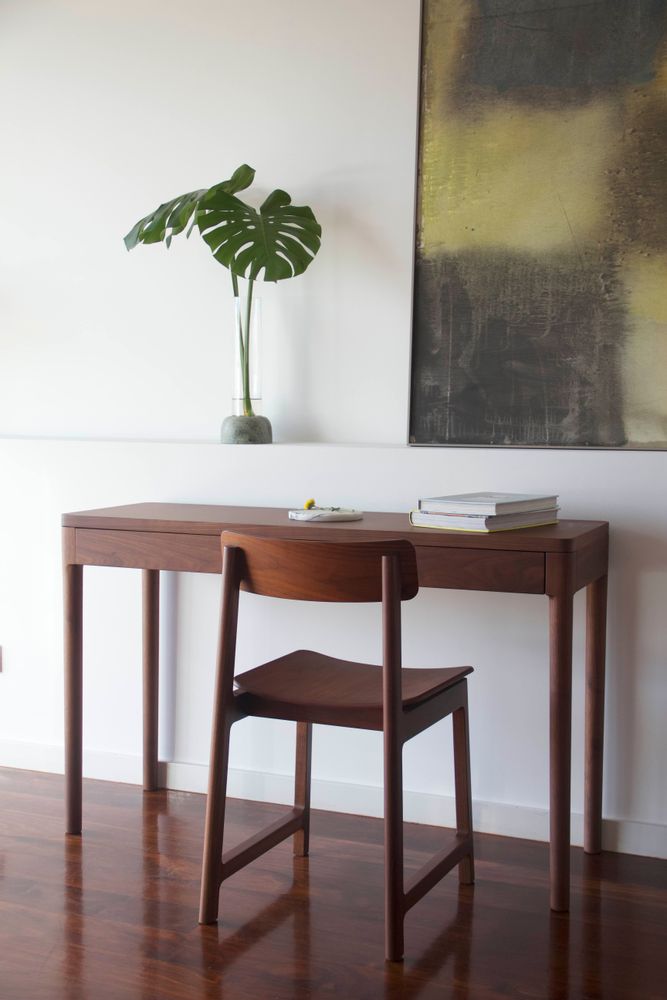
113, 916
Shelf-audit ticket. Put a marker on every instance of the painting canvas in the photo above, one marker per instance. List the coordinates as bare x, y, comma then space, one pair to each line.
540, 308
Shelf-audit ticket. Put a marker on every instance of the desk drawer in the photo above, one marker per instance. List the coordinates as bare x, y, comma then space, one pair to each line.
456, 569
149, 550
479, 569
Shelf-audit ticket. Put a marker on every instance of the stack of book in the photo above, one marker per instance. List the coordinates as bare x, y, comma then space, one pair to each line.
485, 511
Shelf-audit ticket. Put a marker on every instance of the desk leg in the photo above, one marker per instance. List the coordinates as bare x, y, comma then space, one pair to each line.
151, 655
73, 621
560, 734
596, 633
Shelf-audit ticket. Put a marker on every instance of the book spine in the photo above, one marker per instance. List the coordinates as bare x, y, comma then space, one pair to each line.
478, 530
480, 524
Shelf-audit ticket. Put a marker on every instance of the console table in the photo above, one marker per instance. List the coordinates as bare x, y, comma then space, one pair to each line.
556, 560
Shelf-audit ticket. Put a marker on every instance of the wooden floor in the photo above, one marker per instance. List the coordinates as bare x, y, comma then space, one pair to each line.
114, 914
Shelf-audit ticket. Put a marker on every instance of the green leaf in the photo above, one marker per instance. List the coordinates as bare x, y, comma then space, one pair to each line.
279, 240
166, 221
172, 217
241, 179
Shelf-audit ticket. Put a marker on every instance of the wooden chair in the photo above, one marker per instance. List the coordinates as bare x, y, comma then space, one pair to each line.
308, 687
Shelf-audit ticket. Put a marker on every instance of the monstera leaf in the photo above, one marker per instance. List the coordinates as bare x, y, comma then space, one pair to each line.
173, 216
280, 239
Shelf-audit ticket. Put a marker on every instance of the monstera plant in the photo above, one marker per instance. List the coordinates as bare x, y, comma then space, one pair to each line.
276, 241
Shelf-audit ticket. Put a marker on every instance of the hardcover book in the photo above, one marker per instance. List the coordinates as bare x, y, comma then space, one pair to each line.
487, 503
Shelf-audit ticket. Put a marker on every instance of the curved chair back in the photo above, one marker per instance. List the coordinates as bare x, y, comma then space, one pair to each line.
306, 570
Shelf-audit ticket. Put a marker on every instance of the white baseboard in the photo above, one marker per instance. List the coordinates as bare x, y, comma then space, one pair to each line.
525, 822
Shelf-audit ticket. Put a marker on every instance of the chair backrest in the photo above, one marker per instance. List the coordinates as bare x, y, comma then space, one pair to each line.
320, 571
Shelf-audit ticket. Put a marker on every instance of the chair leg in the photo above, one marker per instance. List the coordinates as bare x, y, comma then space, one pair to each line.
214, 826
394, 912
304, 748
463, 787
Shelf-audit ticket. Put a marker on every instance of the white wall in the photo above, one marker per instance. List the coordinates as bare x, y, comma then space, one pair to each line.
109, 109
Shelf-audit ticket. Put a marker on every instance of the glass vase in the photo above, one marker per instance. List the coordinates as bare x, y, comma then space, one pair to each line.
246, 425
247, 390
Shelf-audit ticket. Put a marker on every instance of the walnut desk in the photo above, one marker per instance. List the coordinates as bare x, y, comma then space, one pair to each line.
556, 561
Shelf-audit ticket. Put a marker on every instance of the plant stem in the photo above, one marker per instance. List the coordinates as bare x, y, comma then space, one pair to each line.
245, 358
239, 332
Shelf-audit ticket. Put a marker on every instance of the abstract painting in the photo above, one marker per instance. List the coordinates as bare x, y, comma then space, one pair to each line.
540, 303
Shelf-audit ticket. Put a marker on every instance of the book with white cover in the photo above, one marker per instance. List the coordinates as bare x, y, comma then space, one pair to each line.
483, 522
487, 503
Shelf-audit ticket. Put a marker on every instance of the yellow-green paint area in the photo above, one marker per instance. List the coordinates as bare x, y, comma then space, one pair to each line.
645, 350
643, 192
522, 179
502, 174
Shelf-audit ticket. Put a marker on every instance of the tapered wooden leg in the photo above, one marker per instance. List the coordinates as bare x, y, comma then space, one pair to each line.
462, 787
596, 633
394, 910
223, 706
392, 723
151, 657
560, 732
304, 747
73, 635
214, 826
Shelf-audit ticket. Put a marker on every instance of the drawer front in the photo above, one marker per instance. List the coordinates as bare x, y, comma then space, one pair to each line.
479, 569
457, 569
149, 550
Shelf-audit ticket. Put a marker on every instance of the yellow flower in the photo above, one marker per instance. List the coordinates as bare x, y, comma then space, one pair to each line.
309, 504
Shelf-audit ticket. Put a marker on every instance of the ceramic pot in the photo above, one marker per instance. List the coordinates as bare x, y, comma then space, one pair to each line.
240, 429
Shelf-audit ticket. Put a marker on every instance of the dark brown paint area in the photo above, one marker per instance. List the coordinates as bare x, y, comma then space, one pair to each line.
513, 349
540, 50
637, 180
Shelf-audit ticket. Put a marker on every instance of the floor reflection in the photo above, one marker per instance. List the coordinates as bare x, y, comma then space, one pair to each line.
408, 980
221, 949
72, 966
591, 932
559, 956
152, 809
302, 928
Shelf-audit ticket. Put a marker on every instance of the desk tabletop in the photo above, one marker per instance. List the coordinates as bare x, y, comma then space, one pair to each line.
207, 519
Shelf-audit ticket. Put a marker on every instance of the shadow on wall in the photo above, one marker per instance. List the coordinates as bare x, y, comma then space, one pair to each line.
637, 602
169, 591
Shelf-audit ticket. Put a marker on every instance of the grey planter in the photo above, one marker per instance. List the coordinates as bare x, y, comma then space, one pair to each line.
246, 430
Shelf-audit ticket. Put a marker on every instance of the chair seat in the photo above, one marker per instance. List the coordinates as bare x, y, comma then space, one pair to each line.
309, 686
